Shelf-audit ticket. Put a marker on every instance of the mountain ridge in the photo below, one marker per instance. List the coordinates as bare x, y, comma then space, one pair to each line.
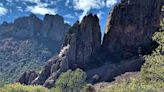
22, 44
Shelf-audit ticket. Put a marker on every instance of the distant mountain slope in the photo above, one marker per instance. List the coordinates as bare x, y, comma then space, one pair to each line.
28, 43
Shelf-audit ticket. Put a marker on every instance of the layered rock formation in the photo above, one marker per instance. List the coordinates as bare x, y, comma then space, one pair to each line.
131, 25
23, 44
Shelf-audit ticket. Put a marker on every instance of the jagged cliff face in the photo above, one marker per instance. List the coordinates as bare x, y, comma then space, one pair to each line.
131, 25
80, 42
51, 30
54, 27
24, 47
84, 38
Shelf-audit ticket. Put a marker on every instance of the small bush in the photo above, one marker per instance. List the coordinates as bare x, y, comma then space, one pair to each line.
22, 88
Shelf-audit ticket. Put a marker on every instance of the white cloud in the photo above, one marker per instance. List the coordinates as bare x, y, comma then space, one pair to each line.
68, 22
19, 9
3, 11
67, 2
47, 2
70, 16
99, 14
32, 1
87, 5
41, 9
110, 3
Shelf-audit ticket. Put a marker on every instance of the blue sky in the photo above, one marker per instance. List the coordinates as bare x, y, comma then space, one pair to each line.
71, 10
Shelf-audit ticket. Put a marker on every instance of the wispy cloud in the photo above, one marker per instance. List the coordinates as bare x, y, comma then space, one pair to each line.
70, 16
67, 2
32, 1
99, 14
110, 3
41, 8
87, 5
3, 10
68, 22
19, 9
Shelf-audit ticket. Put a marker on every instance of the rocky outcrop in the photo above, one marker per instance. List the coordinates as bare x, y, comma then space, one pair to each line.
84, 39
53, 69
128, 35
27, 77
52, 26
131, 25
80, 42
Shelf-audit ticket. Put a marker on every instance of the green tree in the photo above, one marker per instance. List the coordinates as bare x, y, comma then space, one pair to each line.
71, 81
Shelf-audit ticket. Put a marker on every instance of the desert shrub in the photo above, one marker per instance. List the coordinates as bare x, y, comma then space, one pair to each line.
135, 86
22, 88
70, 81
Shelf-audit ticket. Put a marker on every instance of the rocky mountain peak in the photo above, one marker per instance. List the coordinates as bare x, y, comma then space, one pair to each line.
27, 21
131, 25
83, 38
54, 27
49, 17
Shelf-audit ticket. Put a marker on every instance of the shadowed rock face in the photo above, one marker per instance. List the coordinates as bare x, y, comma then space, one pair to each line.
80, 42
84, 39
27, 77
131, 25
54, 27
51, 28
129, 28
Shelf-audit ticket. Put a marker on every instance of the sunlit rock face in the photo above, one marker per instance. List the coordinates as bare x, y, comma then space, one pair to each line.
131, 25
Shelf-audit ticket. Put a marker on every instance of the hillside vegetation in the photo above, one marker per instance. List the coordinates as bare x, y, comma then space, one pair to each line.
18, 56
